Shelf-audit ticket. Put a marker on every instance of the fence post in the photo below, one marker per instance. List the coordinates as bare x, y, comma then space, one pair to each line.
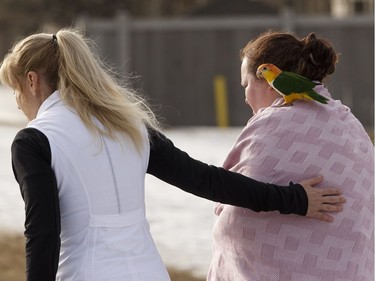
287, 16
221, 101
123, 28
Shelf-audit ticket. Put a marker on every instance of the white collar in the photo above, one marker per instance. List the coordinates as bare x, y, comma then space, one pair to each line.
49, 102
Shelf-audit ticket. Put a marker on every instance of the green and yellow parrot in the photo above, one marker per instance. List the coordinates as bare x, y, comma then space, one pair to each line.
290, 85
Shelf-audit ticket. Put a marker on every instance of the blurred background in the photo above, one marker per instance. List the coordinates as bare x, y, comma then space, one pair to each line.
183, 55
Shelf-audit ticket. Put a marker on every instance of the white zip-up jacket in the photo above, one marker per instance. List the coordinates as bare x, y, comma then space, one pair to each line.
104, 232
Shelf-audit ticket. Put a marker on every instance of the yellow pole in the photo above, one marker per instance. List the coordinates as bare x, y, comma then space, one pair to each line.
221, 102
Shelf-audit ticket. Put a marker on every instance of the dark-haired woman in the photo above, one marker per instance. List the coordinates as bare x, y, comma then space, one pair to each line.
291, 142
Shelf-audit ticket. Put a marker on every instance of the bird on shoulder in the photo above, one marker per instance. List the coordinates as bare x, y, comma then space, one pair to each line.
290, 85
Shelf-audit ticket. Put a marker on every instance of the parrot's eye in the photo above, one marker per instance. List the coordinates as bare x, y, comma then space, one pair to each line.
264, 68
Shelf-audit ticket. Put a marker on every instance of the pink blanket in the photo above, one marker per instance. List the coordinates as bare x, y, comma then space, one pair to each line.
280, 144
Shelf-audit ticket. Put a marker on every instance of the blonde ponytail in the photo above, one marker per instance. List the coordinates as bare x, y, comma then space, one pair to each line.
85, 84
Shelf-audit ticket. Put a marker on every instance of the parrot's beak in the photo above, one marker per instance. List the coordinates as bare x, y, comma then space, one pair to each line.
259, 74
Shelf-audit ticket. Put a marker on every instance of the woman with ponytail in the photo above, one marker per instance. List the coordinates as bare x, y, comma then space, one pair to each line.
82, 160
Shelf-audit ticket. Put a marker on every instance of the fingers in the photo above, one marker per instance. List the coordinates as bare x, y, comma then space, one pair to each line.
332, 208
324, 205
319, 215
327, 196
322, 201
324, 196
331, 191
333, 200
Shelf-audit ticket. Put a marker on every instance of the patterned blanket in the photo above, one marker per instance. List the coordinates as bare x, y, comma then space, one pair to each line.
282, 144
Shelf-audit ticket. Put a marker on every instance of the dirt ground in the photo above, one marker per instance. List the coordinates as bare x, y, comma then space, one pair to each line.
12, 262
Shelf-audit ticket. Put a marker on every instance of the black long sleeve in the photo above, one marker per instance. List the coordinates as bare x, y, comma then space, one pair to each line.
176, 167
31, 161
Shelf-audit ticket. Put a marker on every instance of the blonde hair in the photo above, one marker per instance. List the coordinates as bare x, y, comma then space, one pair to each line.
69, 64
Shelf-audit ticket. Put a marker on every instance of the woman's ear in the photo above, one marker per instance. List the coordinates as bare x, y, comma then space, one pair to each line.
32, 81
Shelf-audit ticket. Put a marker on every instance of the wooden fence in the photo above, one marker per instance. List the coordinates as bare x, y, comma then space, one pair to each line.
177, 61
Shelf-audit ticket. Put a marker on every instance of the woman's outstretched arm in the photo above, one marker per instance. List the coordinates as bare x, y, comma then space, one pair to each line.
176, 167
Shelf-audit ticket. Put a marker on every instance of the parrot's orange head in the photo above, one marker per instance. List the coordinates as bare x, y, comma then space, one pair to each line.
268, 71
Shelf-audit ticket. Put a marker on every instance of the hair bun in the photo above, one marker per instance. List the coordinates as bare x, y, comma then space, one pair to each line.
318, 55
310, 38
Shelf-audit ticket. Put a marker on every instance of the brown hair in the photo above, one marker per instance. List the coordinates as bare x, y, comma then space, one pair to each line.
311, 57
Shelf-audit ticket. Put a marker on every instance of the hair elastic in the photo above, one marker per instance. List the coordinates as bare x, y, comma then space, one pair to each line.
54, 39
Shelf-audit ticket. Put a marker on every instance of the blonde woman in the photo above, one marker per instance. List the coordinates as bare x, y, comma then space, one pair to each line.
82, 160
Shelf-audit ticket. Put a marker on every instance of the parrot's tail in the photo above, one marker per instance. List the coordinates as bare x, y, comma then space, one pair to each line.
315, 96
